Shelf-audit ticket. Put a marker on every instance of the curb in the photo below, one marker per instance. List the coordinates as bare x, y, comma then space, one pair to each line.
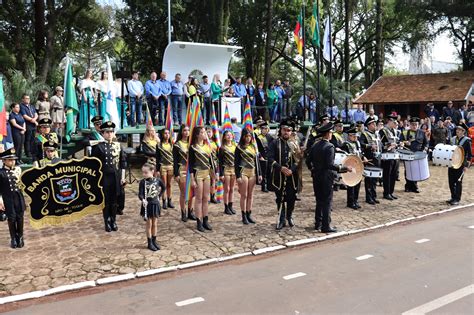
146, 273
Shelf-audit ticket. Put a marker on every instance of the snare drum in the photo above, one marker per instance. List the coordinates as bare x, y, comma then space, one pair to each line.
417, 170
406, 155
390, 156
373, 172
448, 155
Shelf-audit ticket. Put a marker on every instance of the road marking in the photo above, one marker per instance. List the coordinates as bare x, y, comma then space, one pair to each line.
190, 301
294, 275
471, 227
442, 301
423, 240
364, 257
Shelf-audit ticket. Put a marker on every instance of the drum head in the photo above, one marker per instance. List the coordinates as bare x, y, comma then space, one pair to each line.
458, 157
353, 178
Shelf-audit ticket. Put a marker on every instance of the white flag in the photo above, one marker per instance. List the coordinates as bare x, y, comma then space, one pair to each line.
111, 105
327, 44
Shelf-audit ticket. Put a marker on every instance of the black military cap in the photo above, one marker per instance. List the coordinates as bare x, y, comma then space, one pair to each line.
107, 126
8, 154
286, 123
368, 121
50, 145
462, 126
97, 119
323, 117
414, 120
337, 122
45, 122
325, 128
352, 131
360, 122
392, 117
264, 124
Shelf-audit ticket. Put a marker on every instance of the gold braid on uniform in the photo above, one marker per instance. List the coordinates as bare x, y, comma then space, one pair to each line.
166, 155
202, 156
248, 155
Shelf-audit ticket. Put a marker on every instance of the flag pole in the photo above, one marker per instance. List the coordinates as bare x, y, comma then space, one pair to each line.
318, 102
304, 60
330, 62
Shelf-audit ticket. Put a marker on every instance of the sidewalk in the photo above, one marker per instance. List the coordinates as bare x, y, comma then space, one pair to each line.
84, 251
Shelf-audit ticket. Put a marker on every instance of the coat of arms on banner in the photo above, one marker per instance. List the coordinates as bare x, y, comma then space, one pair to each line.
64, 192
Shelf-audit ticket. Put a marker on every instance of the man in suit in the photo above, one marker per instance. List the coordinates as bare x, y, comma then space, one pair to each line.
455, 175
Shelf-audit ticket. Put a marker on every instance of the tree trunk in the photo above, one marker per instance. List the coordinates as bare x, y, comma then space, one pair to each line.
225, 21
347, 71
368, 71
268, 43
39, 8
49, 48
378, 56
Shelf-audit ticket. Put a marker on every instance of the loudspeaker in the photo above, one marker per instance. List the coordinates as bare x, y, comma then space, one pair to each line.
123, 69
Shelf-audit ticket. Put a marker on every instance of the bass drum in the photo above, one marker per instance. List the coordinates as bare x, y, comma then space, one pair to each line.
352, 178
448, 155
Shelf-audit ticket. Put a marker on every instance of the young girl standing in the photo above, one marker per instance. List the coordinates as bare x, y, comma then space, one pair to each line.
164, 165
227, 170
150, 190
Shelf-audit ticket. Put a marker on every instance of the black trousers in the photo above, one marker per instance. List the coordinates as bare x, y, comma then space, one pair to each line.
263, 167
370, 186
29, 138
409, 184
288, 199
389, 176
322, 187
455, 185
18, 142
112, 197
353, 194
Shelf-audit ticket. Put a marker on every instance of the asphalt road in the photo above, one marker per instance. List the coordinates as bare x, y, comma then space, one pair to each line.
424, 267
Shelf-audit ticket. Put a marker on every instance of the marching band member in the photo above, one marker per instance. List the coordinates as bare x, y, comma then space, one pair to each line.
180, 159
296, 150
203, 168
50, 154
150, 190
389, 139
263, 141
283, 174
338, 137
164, 165
95, 136
214, 157
113, 169
415, 140
352, 146
247, 172
227, 169
370, 146
12, 201
321, 164
455, 176
313, 137
45, 134
150, 143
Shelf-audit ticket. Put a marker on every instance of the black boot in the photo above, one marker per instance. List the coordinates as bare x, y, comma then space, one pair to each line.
200, 228
184, 217
317, 226
289, 218
227, 210
151, 246
281, 220
153, 241
113, 216
249, 217
170, 204
12, 228
205, 223
264, 187
244, 218
230, 208
165, 205
191, 215
105, 214
19, 233
213, 198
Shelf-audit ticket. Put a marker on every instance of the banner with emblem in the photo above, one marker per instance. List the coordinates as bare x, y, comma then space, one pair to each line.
64, 192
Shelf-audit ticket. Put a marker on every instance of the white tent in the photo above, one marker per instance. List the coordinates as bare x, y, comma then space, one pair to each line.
197, 59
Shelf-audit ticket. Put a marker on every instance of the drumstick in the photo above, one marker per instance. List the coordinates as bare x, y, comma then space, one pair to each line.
460, 177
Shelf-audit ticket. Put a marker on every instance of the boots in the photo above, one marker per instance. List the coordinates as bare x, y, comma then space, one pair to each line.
151, 246
113, 215
227, 210
200, 228
249, 217
289, 217
230, 208
105, 214
184, 217
19, 233
281, 220
191, 215
12, 228
244, 218
170, 204
213, 198
264, 187
153, 241
165, 206
205, 223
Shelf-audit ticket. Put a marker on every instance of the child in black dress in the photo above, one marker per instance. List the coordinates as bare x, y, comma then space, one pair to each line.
150, 190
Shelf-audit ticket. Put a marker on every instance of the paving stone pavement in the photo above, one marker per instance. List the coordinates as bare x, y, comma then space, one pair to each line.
84, 251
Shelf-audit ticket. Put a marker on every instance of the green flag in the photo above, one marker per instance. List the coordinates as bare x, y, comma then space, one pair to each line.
70, 102
314, 26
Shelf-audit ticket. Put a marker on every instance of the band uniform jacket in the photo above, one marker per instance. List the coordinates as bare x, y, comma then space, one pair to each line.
418, 141
320, 162
37, 147
200, 158
367, 139
164, 155
388, 136
465, 143
280, 155
353, 148
180, 157
263, 142
113, 162
246, 158
226, 157
10, 191
46, 161
338, 139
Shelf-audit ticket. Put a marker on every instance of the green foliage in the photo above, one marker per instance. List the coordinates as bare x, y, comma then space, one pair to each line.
19, 83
